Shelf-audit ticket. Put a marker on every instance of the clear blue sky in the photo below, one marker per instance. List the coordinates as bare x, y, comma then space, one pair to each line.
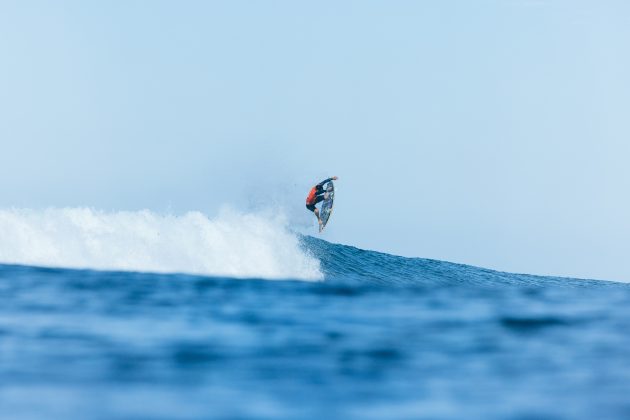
495, 133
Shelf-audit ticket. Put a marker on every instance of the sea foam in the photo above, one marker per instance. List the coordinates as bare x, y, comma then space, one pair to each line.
232, 244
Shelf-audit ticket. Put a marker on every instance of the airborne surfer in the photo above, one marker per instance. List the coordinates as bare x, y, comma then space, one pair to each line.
315, 196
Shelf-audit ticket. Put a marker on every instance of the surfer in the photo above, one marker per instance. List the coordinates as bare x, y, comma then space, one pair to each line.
315, 196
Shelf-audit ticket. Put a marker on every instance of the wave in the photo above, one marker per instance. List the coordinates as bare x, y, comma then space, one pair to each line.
349, 264
231, 245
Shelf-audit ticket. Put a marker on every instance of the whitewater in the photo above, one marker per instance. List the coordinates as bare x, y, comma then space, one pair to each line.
119, 315
232, 244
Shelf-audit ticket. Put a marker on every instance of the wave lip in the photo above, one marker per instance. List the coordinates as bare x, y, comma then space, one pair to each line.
230, 245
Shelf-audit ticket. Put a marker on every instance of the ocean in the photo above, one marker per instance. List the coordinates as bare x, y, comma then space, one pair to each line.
133, 315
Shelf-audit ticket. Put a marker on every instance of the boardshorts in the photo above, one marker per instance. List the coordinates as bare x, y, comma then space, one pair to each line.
318, 199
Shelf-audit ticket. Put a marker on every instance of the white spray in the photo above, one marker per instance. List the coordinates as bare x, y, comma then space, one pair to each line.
233, 244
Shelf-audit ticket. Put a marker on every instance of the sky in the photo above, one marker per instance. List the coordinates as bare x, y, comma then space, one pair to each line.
493, 133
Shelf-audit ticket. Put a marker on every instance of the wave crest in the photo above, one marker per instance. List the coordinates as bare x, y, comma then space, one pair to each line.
232, 244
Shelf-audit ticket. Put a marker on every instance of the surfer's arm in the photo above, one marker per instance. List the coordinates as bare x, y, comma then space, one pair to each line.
321, 184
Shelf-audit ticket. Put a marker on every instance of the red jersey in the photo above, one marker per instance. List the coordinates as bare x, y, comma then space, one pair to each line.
310, 199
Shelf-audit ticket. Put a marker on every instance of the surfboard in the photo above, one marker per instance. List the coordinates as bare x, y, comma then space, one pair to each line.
327, 204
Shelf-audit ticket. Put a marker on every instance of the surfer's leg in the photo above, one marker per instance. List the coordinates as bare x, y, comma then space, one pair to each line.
315, 210
319, 219
318, 199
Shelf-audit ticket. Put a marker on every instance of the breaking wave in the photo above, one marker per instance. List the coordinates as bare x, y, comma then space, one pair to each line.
232, 244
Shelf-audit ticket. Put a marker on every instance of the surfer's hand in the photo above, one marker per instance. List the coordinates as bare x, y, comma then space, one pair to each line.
334, 178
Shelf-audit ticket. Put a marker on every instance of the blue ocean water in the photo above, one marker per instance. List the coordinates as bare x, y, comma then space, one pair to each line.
379, 336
